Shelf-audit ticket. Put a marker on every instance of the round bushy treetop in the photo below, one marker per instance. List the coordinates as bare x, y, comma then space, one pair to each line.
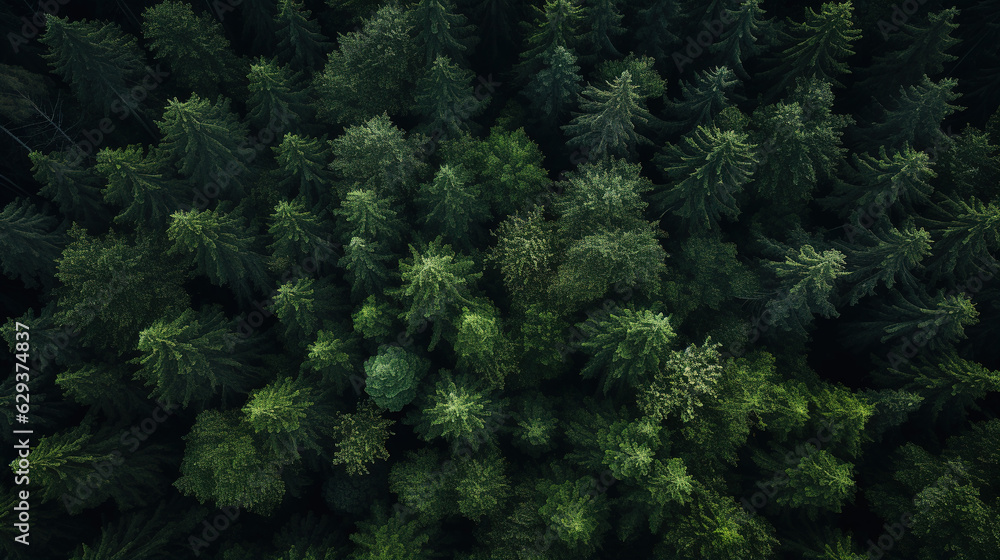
392, 377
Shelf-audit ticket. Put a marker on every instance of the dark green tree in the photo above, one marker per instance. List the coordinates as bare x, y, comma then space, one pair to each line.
393, 375
137, 183
274, 97
377, 155
702, 99
369, 216
220, 247
457, 410
915, 51
745, 38
453, 204
708, 169
948, 382
441, 31
185, 358
808, 279
629, 346
557, 24
644, 74
508, 168
297, 233
817, 47
888, 257
914, 116
526, 253
553, 89
361, 438
301, 305
300, 41
31, 243
73, 188
608, 119
965, 238
444, 97
368, 267
195, 47
303, 164
603, 19
97, 59
287, 414
655, 31
481, 345
602, 197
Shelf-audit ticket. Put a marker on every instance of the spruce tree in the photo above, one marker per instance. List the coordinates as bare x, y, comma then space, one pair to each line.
445, 97
526, 254
508, 168
296, 232
602, 196
368, 267
914, 116
300, 40
702, 99
604, 20
32, 243
458, 411
965, 238
274, 97
915, 51
656, 31
361, 438
745, 38
818, 46
377, 155
628, 346
608, 119
137, 183
888, 257
441, 31
557, 24
98, 60
195, 47
287, 414
303, 162
808, 278
553, 89
454, 205
370, 217
72, 187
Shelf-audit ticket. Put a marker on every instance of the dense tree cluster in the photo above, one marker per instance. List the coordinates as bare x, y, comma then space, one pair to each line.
500, 280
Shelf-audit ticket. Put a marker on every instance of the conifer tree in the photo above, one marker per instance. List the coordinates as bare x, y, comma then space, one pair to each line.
948, 382
818, 482
818, 46
508, 167
391, 538
557, 24
882, 181
204, 139
372, 71
369, 216
296, 232
608, 119
300, 41
931, 321
709, 168
893, 258
456, 410
526, 253
914, 51
454, 205
98, 60
644, 74
136, 182
604, 20
808, 278
602, 196
361, 438
685, 381
445, 97
441, 31
702, 99
223, 462
623, 258
187, 357
286, 413
73, 188
554, 88
481, 345
303, 163
31, 243
219, 246
122, 284
301, 306
436, 282
629, 346
331, 355
715, 526
141, 535
377, 155
274, 97
482, 486
104, 387
965, 238
914, 116
367, 265
195, 47
579, 517
656, 30
745, 38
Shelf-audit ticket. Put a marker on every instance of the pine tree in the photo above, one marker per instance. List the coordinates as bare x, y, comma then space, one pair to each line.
287, 414
601, 197
361, 438
31, 243
948, 382
608, 120
685, 381
526, 254
817, 46
136, 182
915, 321
709, 169
644, 74
965, 238
368, 267
187, 357
915, 51
553, 89
300, 41
604, 20
445, 97
880, 182
195, 47
370, 217
331, 355
303, 163
436, 282
508, 167
818, 482
557, 24
441, 31
392, 377
98, 60
297, 233
301, 306
377, 155
219, 246
224, 462
914, 117
274, 97
454, 205
702, 99
121, 284
715, 526
372, 71
73, 188
206, 141
807, 278
743, 39
629, 346
456, 410
893, 258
